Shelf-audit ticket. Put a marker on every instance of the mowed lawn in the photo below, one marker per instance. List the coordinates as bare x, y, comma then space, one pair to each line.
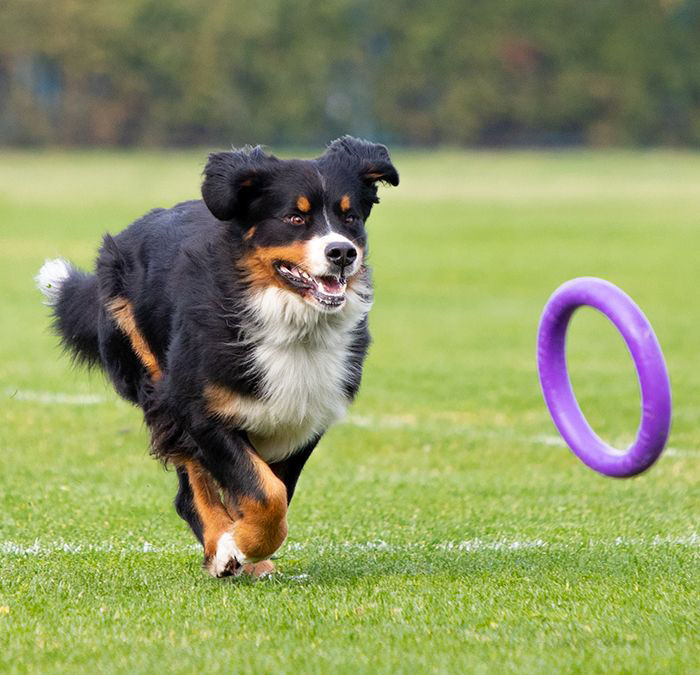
443, 527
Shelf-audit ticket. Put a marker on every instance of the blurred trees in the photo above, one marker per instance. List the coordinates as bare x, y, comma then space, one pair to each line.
478, 72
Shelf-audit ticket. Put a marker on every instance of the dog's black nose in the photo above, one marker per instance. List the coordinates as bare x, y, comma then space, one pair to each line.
342, 253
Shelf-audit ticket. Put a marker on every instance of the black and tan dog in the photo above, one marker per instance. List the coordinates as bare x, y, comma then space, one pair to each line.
239, 325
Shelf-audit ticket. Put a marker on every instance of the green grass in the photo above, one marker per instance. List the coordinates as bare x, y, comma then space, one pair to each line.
441, 528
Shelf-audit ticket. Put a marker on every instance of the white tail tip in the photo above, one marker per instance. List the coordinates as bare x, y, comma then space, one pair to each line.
51, 277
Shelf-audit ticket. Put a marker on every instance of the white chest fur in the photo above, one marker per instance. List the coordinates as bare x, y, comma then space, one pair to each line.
303, 396
302, 356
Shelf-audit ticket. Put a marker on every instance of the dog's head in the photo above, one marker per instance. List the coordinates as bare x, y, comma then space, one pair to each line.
302, 222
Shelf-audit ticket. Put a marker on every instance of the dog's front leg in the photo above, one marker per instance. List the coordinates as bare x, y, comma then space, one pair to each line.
251, 522
288, 470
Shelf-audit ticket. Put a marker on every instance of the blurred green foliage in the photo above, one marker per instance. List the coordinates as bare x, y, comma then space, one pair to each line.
483, 72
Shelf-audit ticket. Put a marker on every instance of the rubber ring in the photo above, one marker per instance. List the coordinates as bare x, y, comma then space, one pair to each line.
644, 347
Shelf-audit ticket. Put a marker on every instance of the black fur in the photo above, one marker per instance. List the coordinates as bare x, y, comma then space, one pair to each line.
184, 505
75, 317
179, 269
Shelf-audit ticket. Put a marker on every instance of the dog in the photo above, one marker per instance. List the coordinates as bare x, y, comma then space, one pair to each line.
238, 324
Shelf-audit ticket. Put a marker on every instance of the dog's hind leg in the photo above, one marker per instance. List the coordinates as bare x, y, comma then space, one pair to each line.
209, 511
184, 504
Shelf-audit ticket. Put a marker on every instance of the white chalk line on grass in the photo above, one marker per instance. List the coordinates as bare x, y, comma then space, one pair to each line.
678, 452
375, 422
387, 422
477, 544
39, 548
559, 442
50, 547
54, 397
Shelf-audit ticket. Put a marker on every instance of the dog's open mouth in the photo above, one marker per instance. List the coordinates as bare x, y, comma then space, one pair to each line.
328, 291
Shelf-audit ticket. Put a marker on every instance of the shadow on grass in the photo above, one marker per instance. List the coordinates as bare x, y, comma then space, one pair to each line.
539, 564
115, 573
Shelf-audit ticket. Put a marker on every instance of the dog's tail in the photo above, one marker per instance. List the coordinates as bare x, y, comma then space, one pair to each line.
73, 297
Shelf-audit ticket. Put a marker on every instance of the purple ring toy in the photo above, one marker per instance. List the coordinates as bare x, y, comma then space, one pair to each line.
651, 369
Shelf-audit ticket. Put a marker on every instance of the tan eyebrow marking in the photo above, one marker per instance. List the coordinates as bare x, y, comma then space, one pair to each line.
303, 204
345, 203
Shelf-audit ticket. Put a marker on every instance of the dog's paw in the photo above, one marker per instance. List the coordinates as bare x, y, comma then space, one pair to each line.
259, 570
225, 561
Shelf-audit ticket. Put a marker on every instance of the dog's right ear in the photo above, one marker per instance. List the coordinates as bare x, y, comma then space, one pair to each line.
232, 180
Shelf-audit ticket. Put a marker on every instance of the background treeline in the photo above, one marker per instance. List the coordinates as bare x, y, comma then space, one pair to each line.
415, 72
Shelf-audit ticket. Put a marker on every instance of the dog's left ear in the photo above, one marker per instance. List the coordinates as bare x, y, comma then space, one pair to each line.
233, 179
373, 161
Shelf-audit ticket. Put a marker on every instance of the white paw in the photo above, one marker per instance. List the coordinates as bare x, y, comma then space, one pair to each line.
228, 559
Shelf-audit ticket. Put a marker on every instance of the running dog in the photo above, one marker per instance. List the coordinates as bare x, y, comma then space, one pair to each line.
238, 324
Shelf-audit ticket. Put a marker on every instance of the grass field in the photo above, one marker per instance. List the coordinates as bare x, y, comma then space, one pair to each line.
442, 527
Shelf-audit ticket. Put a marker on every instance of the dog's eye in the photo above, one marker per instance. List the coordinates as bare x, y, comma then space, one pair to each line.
350, 219
295, 219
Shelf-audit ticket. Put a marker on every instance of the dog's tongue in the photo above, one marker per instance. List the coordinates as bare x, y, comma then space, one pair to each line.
331, 285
